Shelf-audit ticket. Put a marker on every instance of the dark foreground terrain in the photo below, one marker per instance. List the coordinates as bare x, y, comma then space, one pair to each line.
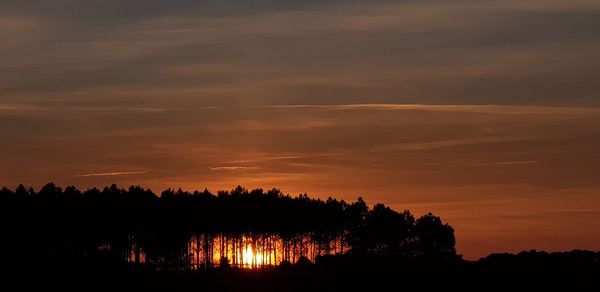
134, 240
527, 271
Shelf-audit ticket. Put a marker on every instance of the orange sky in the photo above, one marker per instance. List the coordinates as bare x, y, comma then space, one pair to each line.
483, 112
506, 177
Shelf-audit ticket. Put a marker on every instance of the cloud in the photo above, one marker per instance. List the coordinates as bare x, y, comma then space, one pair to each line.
36, 107
507, 163
233, 168
111, 174
21, 107
489, 109
468, 52
270, 157
112, 109
7, 107
433, 145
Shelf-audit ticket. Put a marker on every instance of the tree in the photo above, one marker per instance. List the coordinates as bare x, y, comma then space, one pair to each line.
386, 230
355, 222
433, 238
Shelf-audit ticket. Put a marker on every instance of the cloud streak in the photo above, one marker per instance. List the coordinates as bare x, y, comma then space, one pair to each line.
507, 163
217, 168
102, 174
467, 108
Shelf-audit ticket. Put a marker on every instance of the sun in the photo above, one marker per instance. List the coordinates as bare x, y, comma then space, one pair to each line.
251, 258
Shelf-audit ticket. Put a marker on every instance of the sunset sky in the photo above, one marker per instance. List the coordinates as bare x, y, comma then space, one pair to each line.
484, 112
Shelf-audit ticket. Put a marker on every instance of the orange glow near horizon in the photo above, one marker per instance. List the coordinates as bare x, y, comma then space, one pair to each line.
251, 255
246, 252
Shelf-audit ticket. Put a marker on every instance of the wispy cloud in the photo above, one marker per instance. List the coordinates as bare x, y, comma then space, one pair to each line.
233, 168
21, 107
281, 157
469, 108
44, 107
6, 107
113, 109
111, 173
507, 163
446, 143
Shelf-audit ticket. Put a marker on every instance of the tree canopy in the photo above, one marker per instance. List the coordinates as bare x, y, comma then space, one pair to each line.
55, 222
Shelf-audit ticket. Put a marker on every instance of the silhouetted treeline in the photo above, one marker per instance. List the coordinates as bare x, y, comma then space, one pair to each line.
133, 240
181, 230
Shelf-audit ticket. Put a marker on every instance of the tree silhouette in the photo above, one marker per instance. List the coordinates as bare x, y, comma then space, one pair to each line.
181, 230
433, 237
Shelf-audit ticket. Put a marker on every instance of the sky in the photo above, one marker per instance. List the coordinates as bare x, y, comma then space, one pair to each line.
484, 112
